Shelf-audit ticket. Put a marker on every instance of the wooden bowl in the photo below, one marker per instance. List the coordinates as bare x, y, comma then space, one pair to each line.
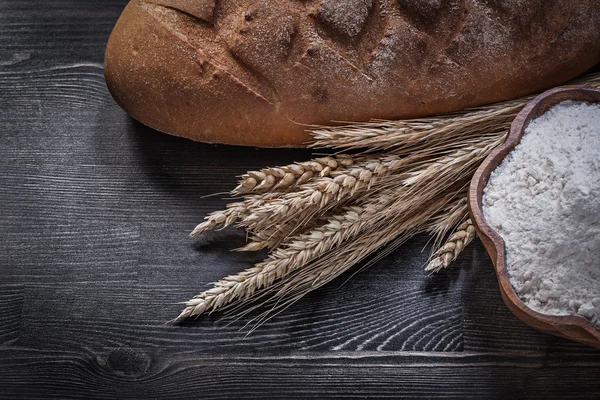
575, 327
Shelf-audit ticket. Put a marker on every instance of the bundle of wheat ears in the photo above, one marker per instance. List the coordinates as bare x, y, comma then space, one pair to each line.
389, 181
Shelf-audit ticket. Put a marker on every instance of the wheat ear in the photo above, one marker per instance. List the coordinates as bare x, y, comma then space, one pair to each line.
232, 213
333, 263
263, 210
292, 175
464, 234
292, 255
301, 250
320, 194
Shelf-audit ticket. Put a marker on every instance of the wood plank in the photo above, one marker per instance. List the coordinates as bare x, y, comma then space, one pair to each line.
11, 307
84, 180
134, 373
40, 34
380, 310
94, 215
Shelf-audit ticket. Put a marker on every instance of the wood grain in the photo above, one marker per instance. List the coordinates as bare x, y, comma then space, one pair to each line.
131, 308
337, 375
94, 215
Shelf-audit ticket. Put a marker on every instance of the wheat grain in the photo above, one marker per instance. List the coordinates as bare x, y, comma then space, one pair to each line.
218, 218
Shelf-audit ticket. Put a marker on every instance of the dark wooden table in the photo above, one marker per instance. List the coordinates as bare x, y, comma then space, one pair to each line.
94, 257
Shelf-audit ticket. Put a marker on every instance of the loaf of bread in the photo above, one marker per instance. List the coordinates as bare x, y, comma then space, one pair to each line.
258, 72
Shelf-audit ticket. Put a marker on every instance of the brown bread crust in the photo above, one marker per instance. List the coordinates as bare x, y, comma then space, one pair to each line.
256, 72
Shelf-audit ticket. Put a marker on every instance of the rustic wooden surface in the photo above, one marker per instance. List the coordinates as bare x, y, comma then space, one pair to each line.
94, 215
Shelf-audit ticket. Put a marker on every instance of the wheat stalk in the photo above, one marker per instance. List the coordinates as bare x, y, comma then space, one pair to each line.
384, 135
301, 249
323, 216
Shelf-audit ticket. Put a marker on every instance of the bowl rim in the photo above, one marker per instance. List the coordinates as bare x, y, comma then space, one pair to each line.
562, 324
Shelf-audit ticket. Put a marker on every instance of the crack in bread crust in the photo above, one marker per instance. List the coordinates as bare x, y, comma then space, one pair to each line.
201, 10
249, 79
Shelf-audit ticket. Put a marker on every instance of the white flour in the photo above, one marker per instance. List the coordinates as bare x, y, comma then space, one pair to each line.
544, 200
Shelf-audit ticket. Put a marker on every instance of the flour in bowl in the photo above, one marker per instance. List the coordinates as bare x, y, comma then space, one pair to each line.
544, 200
